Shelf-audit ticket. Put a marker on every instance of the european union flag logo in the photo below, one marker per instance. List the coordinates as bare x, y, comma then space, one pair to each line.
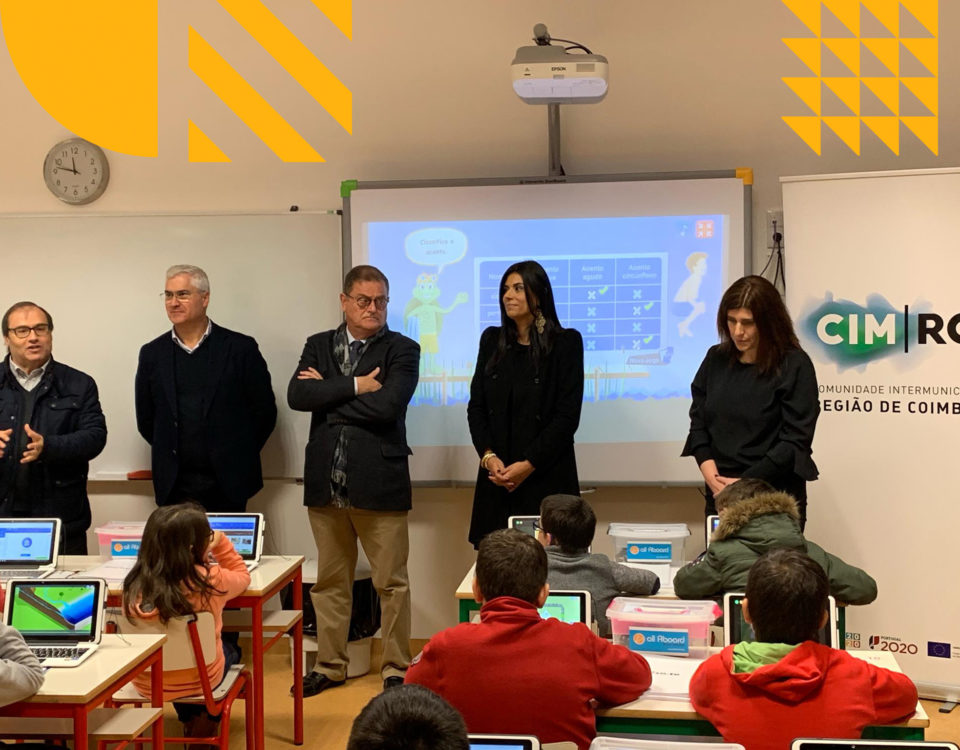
938, 649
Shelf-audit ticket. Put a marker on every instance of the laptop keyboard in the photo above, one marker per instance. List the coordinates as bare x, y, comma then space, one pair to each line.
6, 573
56, 652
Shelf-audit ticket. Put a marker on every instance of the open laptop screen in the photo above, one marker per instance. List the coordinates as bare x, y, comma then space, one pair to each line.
817, 744
503, 742
523, 523
24, 541
567, 606
737, 629
242, 529
57, 610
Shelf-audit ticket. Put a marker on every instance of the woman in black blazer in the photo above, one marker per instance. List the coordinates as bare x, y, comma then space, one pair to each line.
525, 401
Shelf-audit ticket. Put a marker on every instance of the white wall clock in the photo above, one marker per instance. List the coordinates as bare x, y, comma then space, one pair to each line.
76, 171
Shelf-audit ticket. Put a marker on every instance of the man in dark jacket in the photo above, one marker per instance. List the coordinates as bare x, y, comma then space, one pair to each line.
357, 380
204, 403
52, 427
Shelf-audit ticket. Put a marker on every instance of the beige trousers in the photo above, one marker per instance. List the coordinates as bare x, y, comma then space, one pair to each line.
383, 535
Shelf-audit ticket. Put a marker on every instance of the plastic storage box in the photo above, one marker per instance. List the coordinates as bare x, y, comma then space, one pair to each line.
120, 538
649, 542
657, 626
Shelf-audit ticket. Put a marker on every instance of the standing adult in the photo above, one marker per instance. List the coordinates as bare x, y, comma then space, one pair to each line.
53, 426
755, 398
204, 403
525, 401
357, 380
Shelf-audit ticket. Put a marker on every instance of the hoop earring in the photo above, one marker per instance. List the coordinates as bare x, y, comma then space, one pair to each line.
540, 322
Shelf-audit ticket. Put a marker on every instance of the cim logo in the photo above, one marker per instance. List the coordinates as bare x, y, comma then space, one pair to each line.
853, 335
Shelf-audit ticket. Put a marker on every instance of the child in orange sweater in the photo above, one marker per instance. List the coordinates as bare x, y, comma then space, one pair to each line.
185, 567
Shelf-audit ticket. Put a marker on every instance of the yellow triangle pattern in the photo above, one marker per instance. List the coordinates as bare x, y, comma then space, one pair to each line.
925, 89
808, 89
886, 12
887, 52
848, 129
847, 50
925, 128
887, 90
925, 50
807, 11
808, 50
887, 129
848, 13
200, 148
340, 12
808, 128
925, 11
847, 90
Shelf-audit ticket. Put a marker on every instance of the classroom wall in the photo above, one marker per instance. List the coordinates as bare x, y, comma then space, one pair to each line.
695, 84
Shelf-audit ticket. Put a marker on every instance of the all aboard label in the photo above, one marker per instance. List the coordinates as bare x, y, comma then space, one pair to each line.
649, 551
659, 640
128, 548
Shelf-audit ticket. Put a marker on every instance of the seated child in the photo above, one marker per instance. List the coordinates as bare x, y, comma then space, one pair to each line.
567, 525
755, 518
764, 694
408, 717
515, 673
20, 672
184, 567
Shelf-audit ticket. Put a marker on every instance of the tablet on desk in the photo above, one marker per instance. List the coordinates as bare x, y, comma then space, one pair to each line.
503, 742
737, 629
568, 606
815, 744
524, 524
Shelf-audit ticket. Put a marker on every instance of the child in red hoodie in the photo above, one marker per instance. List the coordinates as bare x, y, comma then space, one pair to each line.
515, 673
765, 694
184, 567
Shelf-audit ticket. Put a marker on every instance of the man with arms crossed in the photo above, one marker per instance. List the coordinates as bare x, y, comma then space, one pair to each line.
204, 403
357, 380
52, 426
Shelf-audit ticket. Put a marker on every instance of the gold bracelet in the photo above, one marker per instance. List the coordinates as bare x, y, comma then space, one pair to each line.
486, 457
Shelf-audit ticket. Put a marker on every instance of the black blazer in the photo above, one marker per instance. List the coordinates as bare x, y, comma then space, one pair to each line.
378, 474
241, 412
67, 413
532, 418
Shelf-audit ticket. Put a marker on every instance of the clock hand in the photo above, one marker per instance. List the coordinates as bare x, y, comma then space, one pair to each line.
74, 161
67, 169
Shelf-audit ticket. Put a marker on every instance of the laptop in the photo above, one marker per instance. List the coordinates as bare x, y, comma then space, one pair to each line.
712, 523
523, 523
503, 742
737, 629
812, 744
61, 620
245, 530
28, 547
568, 606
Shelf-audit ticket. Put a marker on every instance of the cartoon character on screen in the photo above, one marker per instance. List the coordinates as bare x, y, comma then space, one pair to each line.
423, 308
689, 292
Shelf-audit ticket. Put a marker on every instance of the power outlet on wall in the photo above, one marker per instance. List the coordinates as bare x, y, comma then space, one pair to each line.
774, 224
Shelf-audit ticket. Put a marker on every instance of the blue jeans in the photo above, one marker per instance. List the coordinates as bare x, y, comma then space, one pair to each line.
231, 656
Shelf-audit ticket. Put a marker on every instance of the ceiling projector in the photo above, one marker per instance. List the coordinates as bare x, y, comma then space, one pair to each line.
548, 74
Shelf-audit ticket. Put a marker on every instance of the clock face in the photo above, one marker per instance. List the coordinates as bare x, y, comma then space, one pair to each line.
76, 171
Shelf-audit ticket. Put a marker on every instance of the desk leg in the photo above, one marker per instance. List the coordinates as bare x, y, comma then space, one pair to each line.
156, 700
298, 661
81, 739
257, 634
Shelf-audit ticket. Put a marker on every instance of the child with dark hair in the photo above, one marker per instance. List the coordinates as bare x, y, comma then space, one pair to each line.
766, 693
502, 673
567, 526
184, 567
408, 717
755, 518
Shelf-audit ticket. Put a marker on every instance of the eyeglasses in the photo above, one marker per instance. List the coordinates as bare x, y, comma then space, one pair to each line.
537, 528
21, 332
180, 294
363, 301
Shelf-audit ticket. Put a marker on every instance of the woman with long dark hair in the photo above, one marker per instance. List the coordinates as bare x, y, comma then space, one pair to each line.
525, 401
755, 398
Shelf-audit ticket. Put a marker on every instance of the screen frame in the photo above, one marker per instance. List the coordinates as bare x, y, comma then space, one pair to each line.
257, 532
731, 631
813, 743
96, 622
586, 604
51, 559
524, 741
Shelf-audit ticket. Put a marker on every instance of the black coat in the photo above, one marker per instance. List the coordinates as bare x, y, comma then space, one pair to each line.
67, 413
378, 474
241, 412
539, 427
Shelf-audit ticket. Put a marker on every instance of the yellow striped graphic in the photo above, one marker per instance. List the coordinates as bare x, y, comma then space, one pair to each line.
201, 148
295, 57
340, 12
246, 103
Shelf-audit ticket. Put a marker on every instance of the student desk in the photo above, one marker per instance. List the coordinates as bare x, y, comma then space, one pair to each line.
267, 579
647, 716
74, 692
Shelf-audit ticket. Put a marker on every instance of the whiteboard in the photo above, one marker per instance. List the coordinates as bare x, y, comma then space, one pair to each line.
272, 276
